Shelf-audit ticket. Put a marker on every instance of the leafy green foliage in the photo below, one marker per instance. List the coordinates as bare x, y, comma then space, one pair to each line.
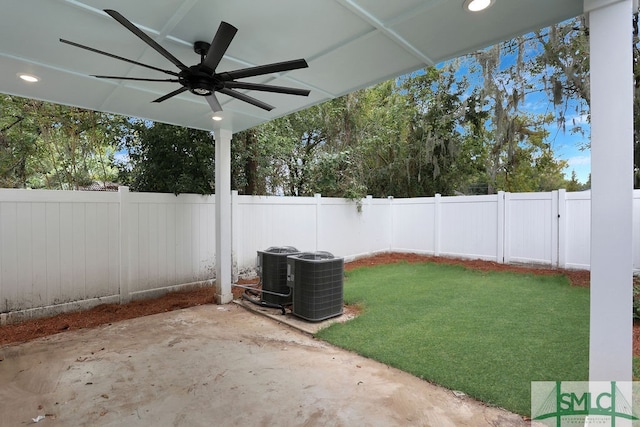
337, 175
170, 159
51, 146
636, 102
250, 159
424, 142
636, 301
564, 65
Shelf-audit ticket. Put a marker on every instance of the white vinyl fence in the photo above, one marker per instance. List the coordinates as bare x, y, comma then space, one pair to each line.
63, 250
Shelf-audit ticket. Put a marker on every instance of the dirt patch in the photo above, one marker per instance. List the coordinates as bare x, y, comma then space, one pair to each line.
109, 313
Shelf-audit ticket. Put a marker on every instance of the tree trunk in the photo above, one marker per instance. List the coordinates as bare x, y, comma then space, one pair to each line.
251, 164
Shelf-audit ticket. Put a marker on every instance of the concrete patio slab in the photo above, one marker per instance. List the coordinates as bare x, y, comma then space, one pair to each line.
290, 319
216, 365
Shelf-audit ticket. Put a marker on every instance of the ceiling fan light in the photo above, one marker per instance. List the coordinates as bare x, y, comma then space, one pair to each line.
201, 91
30, 78
216, 118
477, 5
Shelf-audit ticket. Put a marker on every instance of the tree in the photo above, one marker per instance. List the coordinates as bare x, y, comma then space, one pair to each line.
532, 167
381, 138
564, 68
337, 174
249, 163
574, 185
295, 146
413, 138
44, 145
170, 159
17, 144
471, 164
434, 138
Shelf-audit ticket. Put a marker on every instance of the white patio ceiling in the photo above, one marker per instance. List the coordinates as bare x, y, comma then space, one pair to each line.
349, 44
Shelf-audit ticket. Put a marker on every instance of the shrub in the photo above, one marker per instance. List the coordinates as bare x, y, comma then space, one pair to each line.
636, 300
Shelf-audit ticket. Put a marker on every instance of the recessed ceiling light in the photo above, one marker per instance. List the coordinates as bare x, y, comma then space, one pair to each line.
477, 5
216, 118
28, 77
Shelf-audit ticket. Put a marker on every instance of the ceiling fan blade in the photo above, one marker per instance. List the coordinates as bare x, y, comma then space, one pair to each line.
169, 95
145, 38
111, 55
136, 79
247, 98
264, 69
213, 103
219, 45
267, 88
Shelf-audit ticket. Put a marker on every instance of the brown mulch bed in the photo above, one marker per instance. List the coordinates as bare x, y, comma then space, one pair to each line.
109, 313
576, 277
103, 314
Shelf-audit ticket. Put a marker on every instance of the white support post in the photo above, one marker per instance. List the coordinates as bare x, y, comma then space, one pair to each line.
392, 245
501, 226
610, 344
437, 224
223, 216
236, 248
125, 277
562, 228
555, 216
318, 200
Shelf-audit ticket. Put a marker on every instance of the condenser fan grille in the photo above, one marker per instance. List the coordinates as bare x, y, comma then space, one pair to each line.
317, 280
272, 266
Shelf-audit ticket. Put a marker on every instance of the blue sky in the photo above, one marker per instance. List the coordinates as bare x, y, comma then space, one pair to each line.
567, 144
572, 149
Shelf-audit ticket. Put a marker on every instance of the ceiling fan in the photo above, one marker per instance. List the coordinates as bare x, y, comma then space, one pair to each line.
202, 79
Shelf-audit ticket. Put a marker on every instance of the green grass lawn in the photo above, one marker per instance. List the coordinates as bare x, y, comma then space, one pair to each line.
488, 334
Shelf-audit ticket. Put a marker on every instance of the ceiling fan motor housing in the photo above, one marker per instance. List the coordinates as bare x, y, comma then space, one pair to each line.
198, 81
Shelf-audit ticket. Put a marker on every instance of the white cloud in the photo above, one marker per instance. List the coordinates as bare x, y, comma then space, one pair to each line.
578, 119
581, 165
579, 161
